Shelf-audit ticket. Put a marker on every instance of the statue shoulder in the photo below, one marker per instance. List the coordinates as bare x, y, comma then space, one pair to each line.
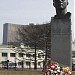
66, 16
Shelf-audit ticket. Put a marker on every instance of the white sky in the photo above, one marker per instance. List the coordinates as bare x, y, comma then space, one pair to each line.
29, 11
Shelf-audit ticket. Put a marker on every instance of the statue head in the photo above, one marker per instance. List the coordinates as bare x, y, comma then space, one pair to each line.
60, 4
61, 9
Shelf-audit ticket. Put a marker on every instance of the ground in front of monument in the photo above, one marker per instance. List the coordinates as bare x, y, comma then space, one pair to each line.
21, 72
73, 73
25, 72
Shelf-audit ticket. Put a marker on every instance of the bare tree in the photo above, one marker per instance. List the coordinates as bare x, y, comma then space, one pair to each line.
37, 36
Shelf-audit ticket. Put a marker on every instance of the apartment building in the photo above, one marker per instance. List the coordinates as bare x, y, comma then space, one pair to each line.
15, 57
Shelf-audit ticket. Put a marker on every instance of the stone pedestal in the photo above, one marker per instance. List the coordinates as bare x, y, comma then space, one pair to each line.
61, 41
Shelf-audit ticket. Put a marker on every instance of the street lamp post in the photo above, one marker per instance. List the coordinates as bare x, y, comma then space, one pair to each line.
7, 64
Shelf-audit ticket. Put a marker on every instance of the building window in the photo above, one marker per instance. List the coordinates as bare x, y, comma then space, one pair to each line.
28, 55
4, 54
12, 54
43, 56
39, 63
33, 63
73, 56
4, 63
33, 55
20, 54
39, 56
28, 63
19, 63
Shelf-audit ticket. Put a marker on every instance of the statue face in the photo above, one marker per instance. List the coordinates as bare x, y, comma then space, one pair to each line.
60, 4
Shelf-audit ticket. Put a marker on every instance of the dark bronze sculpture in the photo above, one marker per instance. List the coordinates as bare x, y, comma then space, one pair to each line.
61, 9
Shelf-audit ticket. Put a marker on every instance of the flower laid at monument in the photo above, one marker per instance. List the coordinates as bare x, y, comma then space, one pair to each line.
55, 68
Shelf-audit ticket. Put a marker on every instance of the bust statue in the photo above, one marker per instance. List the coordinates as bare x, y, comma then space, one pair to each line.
61, 9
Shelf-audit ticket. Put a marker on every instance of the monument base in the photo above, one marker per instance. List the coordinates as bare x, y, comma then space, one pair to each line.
61, 41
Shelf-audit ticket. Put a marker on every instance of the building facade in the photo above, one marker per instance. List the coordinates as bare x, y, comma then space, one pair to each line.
73, 53
21, 58
10, 33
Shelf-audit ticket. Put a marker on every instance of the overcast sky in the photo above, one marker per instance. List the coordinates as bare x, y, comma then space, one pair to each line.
29, 11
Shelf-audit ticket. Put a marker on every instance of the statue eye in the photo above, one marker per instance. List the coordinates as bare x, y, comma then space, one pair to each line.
63, 0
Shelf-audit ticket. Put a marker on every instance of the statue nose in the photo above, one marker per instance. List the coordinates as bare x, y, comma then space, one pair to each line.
60, 1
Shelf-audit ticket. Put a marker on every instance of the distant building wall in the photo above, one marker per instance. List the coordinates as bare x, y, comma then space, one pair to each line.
5, 32
10, 34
